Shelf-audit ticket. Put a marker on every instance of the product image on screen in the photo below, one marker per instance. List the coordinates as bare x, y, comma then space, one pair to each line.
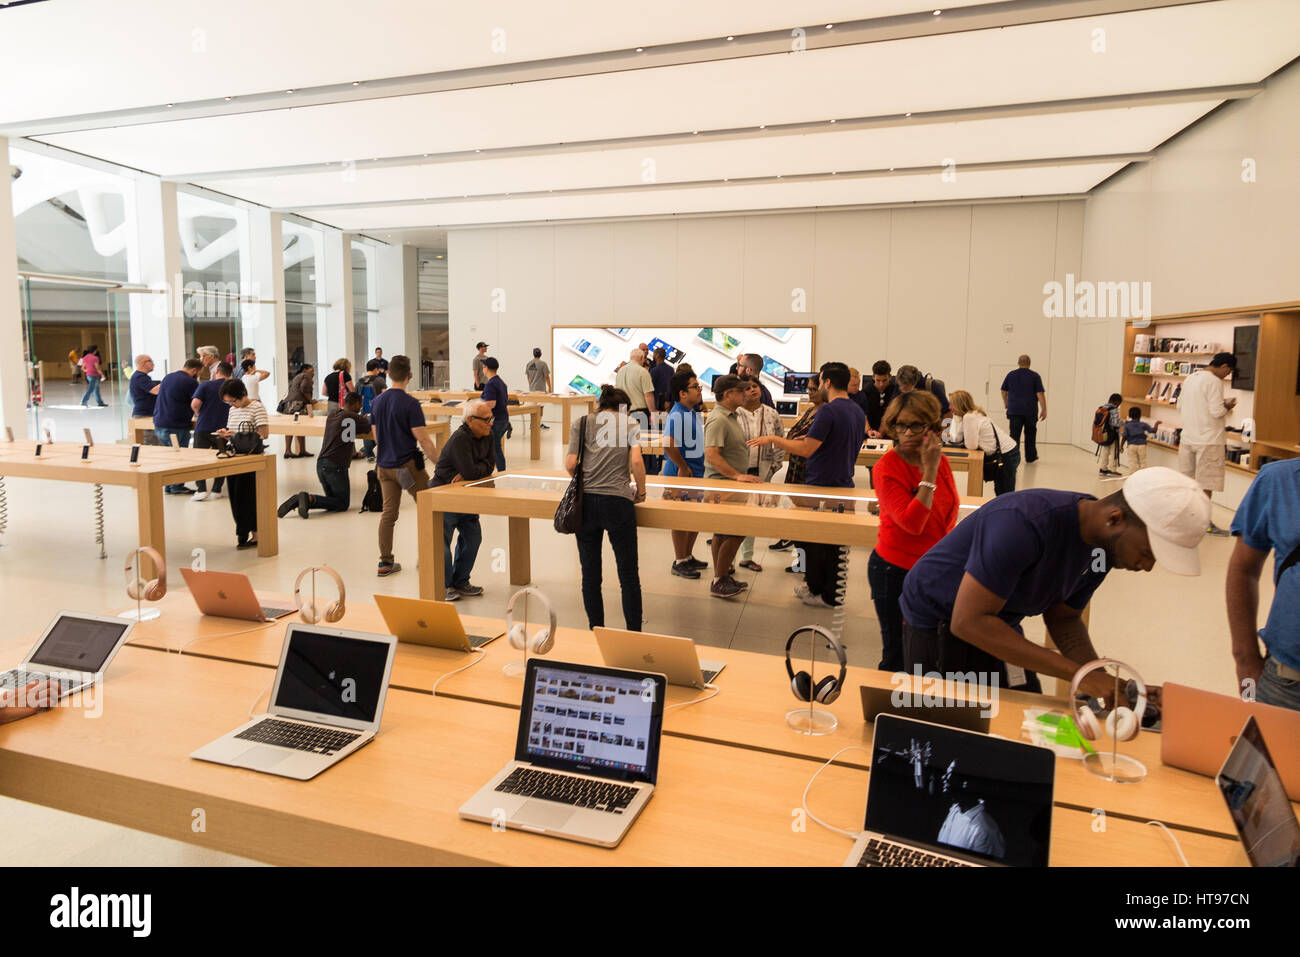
777, 371
729, 346
954, 790
594, 719
583, 386
332, 675
796, 383
78, 644
707, 376
780, 335
1258, 802
624, 334
672, 355
587, 349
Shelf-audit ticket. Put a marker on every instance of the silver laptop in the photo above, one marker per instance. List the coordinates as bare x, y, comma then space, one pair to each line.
229, 595
73, 652
1258, 802
327, 702
940, 797
673, 657
586, 758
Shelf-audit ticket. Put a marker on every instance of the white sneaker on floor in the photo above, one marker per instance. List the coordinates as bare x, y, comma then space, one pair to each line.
221, 494
801, 590
817, 601
199, 497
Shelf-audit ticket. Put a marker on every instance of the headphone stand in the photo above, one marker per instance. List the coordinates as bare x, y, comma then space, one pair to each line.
1115, 767
811, 720
517, 669
141, 613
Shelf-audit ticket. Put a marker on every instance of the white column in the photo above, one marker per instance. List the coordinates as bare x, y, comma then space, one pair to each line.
154, 260
13, 362
335, 322
262, 278
397, 330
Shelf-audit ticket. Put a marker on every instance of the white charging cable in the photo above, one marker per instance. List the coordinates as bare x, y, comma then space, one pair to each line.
228, 634
851, 835
482, 653
1178, 847
259, 697
697, 700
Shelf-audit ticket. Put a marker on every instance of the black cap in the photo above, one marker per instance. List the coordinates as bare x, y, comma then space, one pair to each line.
481, 345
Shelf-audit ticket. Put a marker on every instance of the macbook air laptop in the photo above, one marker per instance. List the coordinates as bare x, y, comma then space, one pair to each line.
940, 797
1257, 802
229, 595
1200, 728
327, 701
878, 701
424, 622
671, 656
73, 652
587, 754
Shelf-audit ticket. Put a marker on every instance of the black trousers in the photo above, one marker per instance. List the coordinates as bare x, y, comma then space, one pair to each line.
1029, 425
822, 569
615, 515
242, 490
204, 440
943, 652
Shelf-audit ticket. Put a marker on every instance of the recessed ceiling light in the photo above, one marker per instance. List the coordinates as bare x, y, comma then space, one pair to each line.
426, 155
356, 82
832, 121
695, 132
937, 12
288, 91
778, 175
907, 114
763, 127
170, 105
478, 151
834, 172
229, 98
891, 169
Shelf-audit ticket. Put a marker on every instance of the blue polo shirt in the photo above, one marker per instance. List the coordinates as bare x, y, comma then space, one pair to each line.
495, 389
684, 426
172, 410
841, 425
1268, 519
1022, 387
393, 414
142, 402
1025, 547
213, 412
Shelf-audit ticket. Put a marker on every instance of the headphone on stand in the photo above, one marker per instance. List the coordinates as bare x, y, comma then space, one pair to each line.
542, 640
826, 690
308, 611
136, 587
1122, 724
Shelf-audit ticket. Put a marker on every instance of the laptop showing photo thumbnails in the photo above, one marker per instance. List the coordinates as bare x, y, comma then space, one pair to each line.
676, 658
229, 595
940, 797
586, 758
74, 650
1258, 803
327, 702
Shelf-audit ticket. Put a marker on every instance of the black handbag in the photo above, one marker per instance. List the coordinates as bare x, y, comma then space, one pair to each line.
245, 441
568, 514
993, 461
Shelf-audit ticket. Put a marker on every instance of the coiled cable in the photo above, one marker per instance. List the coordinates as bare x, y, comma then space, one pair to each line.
99, 519
841, 593
4, 508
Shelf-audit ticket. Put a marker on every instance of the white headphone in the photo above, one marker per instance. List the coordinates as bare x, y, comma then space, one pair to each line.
136, 586
307, 610
542, 640
1122, 723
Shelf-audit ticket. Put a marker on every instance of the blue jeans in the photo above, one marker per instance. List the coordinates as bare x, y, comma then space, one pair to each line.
498, 430
164, 439
92, 388
886, 581
338, 490
1275, 690
471, 537
617, 516
368, 448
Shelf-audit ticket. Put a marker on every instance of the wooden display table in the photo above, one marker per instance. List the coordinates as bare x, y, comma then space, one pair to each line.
310, 426
960, 460
567, 403
532, 410
158, 467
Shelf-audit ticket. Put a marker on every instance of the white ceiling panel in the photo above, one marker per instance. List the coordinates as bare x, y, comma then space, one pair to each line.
73, 57
1172, 48
1099, 132
1042, 181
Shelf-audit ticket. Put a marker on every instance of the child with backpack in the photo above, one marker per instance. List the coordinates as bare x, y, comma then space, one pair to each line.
1135, 437
1106, 433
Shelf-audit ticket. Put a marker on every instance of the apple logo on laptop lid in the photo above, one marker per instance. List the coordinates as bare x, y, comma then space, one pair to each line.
222, 595
422, 623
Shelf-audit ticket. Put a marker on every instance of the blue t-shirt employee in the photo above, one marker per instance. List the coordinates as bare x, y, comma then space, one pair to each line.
1042, 552
1268, 520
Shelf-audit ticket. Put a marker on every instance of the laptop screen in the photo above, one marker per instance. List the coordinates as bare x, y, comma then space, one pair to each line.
1258, 802
985, 799
332, 675
603, 721
79, 644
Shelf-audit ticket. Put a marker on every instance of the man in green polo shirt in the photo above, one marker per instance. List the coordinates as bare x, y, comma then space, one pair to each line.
726, 456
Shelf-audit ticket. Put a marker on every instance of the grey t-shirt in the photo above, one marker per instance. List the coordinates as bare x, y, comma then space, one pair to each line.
722, 430
605, 468
478, 369
537, 372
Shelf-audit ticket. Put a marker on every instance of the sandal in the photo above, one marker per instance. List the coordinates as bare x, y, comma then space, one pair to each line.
752, 566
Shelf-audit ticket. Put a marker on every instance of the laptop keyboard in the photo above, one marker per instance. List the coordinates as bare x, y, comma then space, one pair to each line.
708, 675
478, 641
301, 737
274, 613
13, 680
568, 789
880, 853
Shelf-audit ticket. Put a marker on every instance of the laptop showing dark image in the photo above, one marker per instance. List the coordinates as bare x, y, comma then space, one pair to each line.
1258, 803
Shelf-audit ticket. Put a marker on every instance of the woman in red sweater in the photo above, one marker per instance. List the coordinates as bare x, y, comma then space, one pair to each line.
918, 506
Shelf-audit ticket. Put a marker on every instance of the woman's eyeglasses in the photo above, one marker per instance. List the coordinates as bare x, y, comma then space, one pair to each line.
911, 428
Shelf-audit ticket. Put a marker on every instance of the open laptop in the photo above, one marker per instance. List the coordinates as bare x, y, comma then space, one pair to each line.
970, 717
1264, 818
421, 621
229, 595
673, 657
939, 797
1200, 728
327, 702
74, 651
586, 758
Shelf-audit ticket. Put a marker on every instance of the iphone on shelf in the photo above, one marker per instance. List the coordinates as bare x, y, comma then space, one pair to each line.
729, 346
707, 376
587, 349
780, 335
776, 371
583, 386
624, 334
672, 354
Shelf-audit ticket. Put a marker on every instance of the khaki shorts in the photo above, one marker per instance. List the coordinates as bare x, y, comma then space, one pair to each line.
1203, 463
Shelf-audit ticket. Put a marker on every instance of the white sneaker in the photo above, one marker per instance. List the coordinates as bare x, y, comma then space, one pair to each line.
199, 497
817, 601
801, 590
221, 494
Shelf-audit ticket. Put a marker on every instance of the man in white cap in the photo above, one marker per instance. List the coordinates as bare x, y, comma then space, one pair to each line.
1043, 552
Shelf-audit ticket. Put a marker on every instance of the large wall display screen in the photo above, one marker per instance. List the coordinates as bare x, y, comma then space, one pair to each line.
584, 358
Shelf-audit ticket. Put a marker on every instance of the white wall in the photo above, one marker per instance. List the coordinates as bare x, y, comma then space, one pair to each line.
931, 286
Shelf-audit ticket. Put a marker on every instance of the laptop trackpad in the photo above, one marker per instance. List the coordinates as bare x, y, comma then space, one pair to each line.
262, 758
547, 814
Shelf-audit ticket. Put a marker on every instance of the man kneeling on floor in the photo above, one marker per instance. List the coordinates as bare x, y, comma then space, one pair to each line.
342, 426
468, 456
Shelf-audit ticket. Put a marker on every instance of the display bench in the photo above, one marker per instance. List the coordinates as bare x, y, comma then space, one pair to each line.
531, 410
747, 713
959, 460
804, 513
567, 403
309, 426
395, 801
156, 467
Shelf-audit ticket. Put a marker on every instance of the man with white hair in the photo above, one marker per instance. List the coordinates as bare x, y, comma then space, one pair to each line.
634, 379
466, 457
209, 356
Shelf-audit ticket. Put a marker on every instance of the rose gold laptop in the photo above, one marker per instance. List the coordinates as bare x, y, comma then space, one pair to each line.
229, 595
1200, 728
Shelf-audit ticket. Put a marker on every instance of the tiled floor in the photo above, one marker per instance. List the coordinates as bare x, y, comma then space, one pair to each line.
1169, 628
